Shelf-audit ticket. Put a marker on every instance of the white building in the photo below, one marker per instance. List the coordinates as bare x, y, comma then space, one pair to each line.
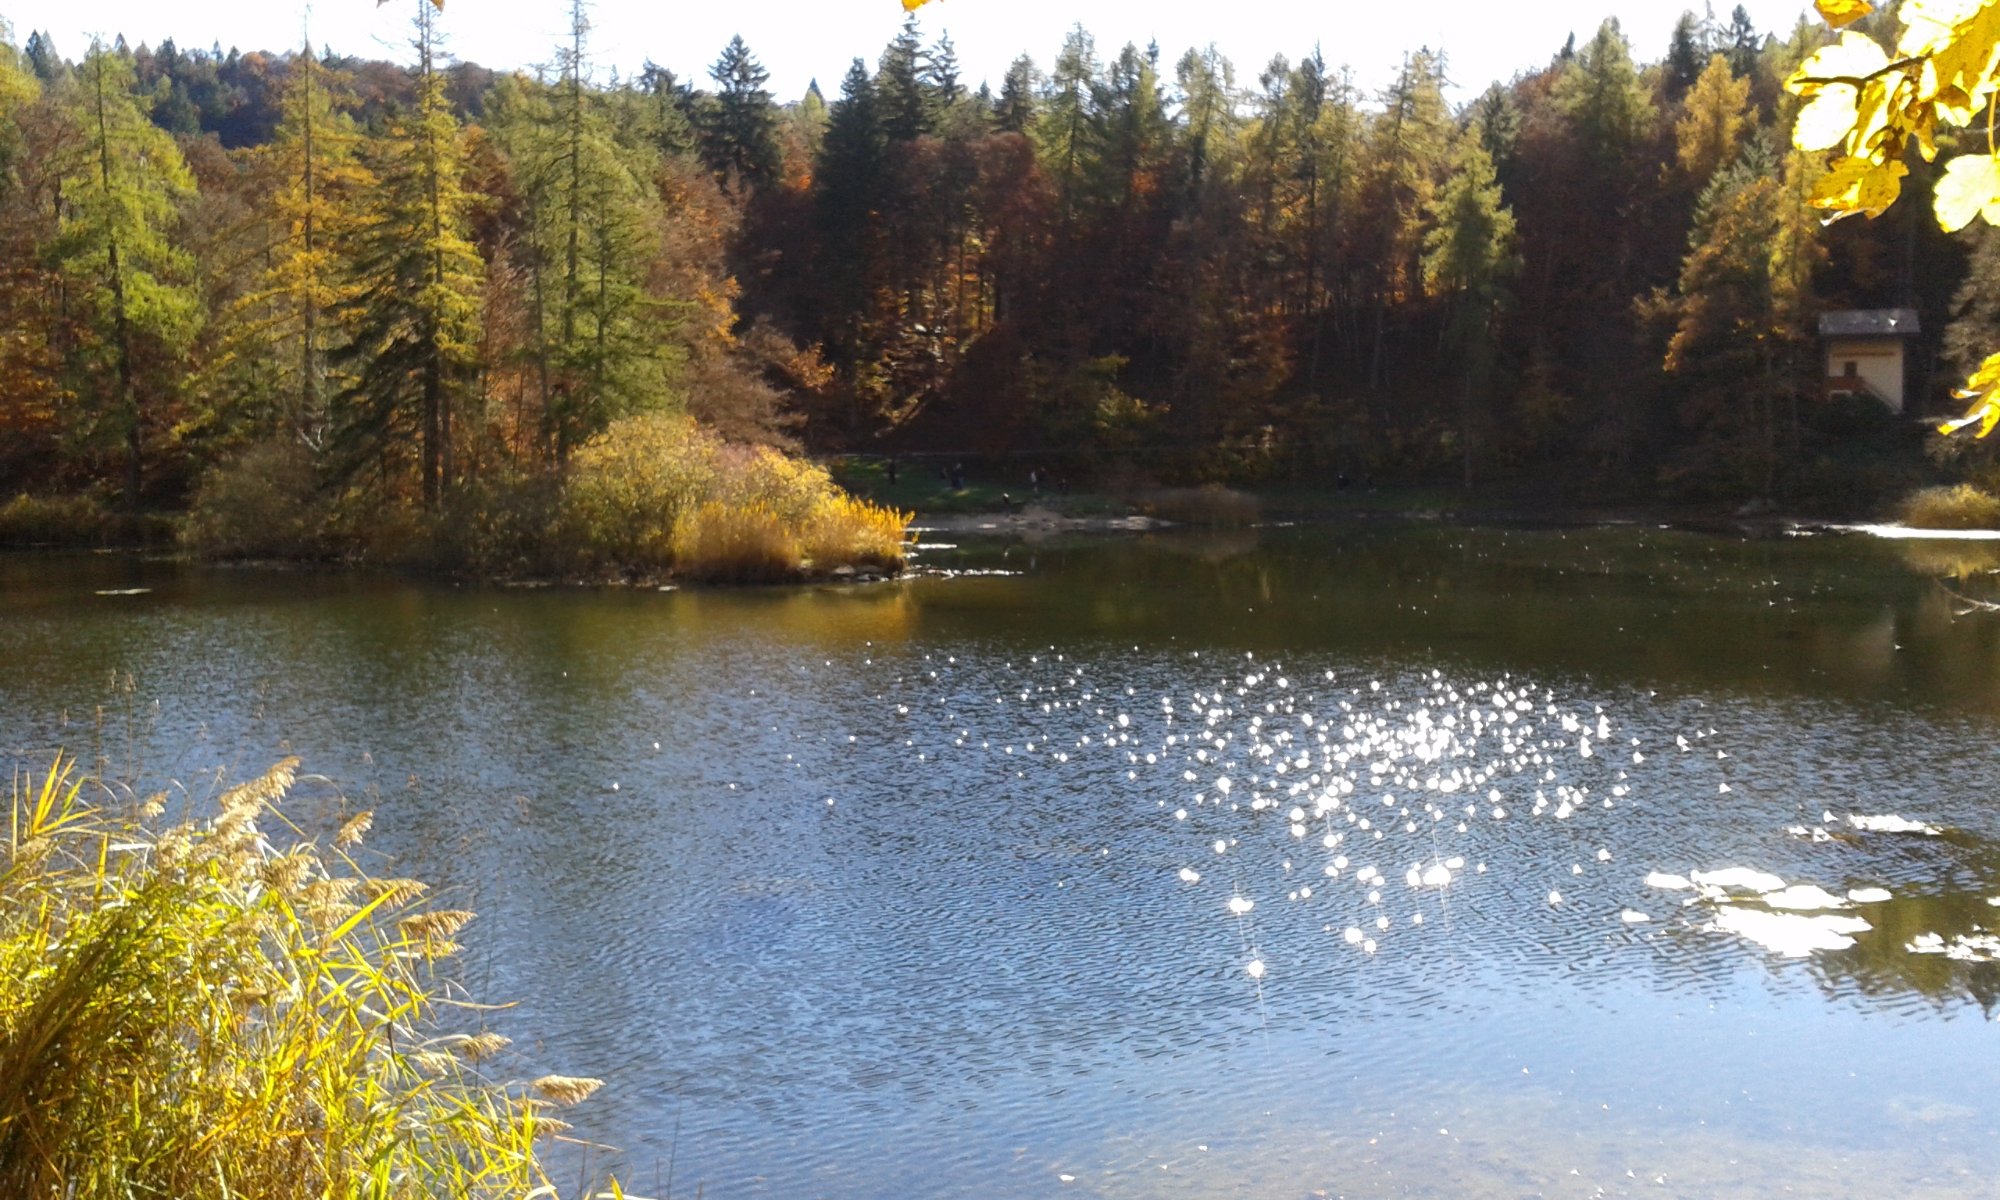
1867, 352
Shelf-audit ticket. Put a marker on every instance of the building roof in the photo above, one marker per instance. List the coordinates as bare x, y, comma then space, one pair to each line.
1869, 322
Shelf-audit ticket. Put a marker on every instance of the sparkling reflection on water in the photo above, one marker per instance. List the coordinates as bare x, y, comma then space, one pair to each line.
858, 892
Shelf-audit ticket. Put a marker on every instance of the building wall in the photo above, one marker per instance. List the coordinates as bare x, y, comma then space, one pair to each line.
1878, 361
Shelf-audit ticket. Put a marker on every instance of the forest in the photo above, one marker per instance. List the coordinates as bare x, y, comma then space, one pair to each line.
300, 287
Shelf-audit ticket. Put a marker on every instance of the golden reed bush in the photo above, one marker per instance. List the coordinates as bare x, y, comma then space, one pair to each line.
1960, 507
189, 1010
731, 543
658, 491
844, 531
1210, 505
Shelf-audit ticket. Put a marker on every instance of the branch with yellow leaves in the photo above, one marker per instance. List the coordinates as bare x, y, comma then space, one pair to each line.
1870, 109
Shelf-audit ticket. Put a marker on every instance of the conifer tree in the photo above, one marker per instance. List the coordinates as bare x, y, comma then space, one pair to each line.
739, 134
899, 87
114, 245
1015, 112
413, 321
1062, 122
1684, 57
1468, 257
1713, 121
318, 189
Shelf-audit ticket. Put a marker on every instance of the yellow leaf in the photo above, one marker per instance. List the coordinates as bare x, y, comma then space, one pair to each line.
1971, 182
1825, 120
1855, 185
1843, 12
1929, 24
1855, 56
1983, 389
913, 5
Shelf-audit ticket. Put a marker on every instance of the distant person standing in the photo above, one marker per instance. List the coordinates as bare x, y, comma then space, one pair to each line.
1034, 481
890, 470
958, 477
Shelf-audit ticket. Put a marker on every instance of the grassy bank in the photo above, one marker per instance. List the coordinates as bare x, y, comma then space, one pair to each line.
653, 496
76, 523
197, 1009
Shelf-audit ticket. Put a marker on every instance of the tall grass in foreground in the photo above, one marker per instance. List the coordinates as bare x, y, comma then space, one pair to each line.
188, 1010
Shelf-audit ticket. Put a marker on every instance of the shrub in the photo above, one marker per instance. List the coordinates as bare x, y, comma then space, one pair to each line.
1960, 507
188, 1011
1211, 505
628, 487
843, 531
658, 491
264, 504
734, 543
55, 521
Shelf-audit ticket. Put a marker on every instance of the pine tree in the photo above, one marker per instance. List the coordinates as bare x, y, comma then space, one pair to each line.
121, 196
941, 78
849, 177
670, 126
1683, 62
413, 323
899, 87
1015, 113
31, 392
1741, 43
1601, 95
739, 135
1468, 257
1062, 122
43, 58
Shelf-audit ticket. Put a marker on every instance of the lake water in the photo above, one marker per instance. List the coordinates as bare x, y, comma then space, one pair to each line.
935, 888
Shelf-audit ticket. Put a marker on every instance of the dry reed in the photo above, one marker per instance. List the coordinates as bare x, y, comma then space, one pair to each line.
1210, 505
193, 1012
1960, 507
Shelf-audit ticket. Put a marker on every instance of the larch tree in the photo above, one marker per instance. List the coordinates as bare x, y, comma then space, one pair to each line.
413, 319
317, 190
1468, 258
1712, 122
31, 393
115, 247
1739, 317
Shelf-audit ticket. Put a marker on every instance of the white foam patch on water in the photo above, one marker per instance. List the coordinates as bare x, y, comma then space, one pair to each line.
1908, 532
1791, 935
1891, 823
1745, 879
1868, 895
1804, 897
1666, 882
1965, 947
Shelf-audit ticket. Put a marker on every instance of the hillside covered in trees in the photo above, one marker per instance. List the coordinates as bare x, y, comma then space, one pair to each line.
415, 285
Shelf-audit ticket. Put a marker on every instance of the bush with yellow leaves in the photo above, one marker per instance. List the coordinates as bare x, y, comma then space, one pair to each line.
659, 492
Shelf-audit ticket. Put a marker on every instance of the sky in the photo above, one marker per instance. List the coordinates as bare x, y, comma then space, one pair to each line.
798, 41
